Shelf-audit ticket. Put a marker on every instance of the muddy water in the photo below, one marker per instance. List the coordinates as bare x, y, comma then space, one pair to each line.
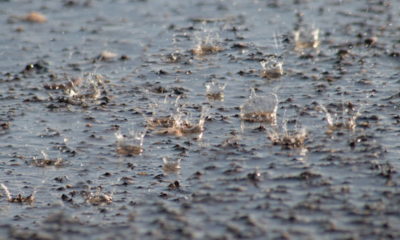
234, 181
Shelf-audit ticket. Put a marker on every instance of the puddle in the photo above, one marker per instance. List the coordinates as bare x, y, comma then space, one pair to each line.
199, 120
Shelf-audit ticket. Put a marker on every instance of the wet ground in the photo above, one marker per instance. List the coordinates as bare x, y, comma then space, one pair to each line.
78, 77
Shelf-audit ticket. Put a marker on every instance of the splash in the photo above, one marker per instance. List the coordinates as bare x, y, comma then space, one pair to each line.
346, 120
306, 39
163, 114
171, 165
19, 198
45, 161
131, 144
98, 198
260, 108
288, 139
208, 43
86, 88
272, 67
184, 125
215, 91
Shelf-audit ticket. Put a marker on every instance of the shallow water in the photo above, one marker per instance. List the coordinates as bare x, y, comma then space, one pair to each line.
233, 181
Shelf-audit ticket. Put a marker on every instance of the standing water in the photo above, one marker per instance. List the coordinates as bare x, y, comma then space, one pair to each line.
199, 119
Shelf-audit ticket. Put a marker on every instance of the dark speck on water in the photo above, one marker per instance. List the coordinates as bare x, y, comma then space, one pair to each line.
238, 119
